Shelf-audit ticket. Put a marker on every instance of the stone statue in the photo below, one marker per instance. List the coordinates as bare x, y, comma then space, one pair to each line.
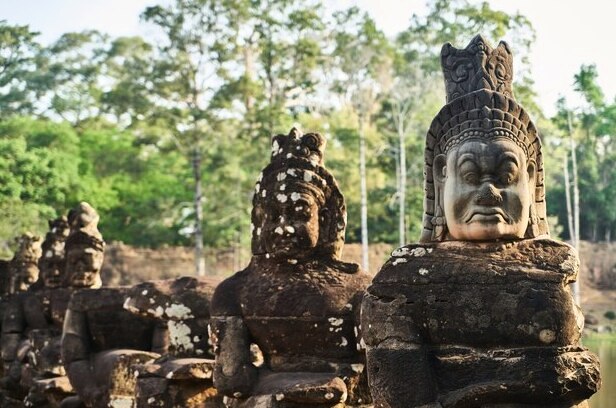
84, 248
100, 340
296, 301
23, 268
480, 312
32, 325
183, 376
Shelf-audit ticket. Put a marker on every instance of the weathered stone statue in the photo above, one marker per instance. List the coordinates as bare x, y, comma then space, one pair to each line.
296, 300
23, 268
32, 324
100, 340
183, 376
479, 314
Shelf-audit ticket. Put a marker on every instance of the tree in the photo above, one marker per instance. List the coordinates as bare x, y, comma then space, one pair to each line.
362, 56
18, 49
189, 68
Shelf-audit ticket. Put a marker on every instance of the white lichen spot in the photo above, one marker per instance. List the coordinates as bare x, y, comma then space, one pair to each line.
295, 196
267, 256
419, 251
275, 147
283, 187
281, 176
48, 254
145, 292
237, 394
152, 301
121, 402
136, 373
259, 231
289, 229
343, 342
429, 250
196, 339
349, 306
292, 261
307, 176
423, 271
252, 227
179, 311
179, 335
279, 231
169, 375
299, 208
398, 261
291, 172
289, 155
400, 252
329, 395
547, 336
151, 400
263, 193
257, 188
279, 397
334, 321
362, 344
282, 198
355, 331
358, 368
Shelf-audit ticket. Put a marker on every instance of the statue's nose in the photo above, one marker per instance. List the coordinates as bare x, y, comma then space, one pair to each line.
489, 195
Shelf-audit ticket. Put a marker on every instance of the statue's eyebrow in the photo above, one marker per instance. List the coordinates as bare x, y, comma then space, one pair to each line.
463, 158
508, 156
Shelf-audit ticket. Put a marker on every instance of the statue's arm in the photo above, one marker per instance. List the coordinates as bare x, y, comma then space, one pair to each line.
399, 367
76, 355
234, 373
13, 326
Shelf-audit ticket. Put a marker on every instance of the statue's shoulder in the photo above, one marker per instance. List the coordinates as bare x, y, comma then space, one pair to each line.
225, 301
463, 262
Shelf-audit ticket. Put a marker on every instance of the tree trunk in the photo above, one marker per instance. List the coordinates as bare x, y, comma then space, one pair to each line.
363, 196
402, 186
576, 204
568, 199
198, 234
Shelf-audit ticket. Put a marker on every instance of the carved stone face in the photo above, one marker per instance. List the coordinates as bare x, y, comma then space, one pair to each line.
486, 190
83, 265
24, 275
293, 225
51, 267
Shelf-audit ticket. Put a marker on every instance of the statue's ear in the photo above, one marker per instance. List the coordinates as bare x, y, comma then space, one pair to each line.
531, 170
439, 169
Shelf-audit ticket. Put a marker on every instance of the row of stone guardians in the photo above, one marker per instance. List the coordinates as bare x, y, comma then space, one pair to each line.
479, 313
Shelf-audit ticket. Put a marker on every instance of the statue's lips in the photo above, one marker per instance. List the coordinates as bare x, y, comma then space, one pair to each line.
487, 215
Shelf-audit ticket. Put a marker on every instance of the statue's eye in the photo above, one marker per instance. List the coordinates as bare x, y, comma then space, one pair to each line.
507, 178
471, 177
311, 141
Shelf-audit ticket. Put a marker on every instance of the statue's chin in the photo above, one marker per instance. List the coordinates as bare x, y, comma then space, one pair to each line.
487, 228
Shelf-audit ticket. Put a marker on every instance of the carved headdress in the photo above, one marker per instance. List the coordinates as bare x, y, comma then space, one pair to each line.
83, 222
296, 166
480, 105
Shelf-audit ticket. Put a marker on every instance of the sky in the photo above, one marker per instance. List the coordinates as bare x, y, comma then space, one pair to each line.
569, 33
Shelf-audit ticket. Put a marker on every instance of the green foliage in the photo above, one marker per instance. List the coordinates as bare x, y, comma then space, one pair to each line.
121, 120
610, 314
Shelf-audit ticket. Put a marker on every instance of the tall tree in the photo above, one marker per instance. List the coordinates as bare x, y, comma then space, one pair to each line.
189, 68
362, 57
18, 49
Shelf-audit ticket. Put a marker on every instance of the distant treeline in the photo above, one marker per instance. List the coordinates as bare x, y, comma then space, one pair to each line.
134, 125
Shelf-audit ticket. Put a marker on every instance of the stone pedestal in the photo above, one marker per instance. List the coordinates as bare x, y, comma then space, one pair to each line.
477, 324
183, 376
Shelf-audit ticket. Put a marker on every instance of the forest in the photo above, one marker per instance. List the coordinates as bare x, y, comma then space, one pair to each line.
165, 136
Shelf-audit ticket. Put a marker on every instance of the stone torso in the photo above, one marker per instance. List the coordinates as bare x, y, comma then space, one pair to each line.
312, 308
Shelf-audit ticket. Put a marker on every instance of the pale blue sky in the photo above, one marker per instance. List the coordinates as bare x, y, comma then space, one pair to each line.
569, 33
